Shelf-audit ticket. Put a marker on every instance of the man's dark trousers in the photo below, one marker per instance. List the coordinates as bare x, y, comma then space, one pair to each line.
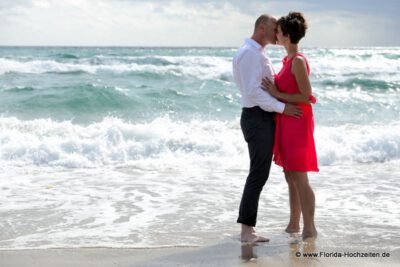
258, 127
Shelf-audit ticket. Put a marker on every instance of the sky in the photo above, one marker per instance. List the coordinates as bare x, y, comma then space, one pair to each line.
333, 23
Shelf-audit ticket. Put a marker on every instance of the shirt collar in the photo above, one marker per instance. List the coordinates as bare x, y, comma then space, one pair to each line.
254, 44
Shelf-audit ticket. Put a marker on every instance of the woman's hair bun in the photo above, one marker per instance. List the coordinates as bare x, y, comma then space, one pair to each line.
294, 25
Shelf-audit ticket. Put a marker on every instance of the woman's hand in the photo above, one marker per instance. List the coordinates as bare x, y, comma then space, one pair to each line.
270, 87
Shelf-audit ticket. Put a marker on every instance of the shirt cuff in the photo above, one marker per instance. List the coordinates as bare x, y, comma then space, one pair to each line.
280, 107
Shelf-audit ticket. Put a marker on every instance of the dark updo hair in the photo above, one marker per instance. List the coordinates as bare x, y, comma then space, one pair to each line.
294, 25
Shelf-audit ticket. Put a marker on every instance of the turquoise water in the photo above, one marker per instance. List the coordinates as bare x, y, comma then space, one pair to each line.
98, 139
87, 84
357, 91
141, 84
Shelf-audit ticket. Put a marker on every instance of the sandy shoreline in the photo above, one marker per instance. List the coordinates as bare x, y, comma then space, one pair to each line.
227, 252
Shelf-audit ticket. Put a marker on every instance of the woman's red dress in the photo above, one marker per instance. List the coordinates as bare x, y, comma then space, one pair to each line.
294, 147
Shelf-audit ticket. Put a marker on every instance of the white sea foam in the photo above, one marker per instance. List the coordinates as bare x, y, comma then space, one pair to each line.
129, 207
115, 142
358, 143
172, 183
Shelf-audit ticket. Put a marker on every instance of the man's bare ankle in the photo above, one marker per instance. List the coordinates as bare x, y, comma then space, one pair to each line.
247, 229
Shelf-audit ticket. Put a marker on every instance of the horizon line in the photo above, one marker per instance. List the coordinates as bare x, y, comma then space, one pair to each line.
187, 46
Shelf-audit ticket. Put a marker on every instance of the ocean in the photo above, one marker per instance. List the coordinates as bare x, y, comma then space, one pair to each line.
141, 147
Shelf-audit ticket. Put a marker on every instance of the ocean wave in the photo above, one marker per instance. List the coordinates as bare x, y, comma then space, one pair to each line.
66, 55
114, 142
362, 83
19, 89
373, 66
199, 67
325, 64
352, 143
338, 63
41, 66
144, 60
85, 102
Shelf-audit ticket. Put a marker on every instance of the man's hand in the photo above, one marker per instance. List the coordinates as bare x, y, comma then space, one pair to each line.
292, 110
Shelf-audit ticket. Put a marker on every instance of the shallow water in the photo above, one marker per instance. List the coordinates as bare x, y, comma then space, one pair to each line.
141, 147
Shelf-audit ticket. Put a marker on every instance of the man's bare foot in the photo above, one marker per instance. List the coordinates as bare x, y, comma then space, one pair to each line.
252, 238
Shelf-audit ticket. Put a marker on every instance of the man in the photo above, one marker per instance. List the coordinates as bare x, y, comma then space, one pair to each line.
250, 66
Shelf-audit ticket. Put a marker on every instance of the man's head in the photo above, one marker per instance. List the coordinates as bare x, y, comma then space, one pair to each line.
265, 30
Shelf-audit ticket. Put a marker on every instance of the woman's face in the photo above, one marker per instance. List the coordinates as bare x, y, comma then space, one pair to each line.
281, 39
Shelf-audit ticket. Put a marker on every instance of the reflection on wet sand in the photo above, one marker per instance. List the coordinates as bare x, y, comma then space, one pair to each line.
248, 253
300, 250
267, 254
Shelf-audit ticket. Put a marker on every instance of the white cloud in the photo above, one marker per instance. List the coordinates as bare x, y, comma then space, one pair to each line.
337, 28
88, 22
169, 23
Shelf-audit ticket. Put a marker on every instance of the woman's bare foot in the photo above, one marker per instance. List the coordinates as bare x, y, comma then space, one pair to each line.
309, 234
292, 228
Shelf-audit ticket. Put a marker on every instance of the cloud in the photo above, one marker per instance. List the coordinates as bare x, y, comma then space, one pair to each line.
338, 28
4, 4
175, 23
106, 22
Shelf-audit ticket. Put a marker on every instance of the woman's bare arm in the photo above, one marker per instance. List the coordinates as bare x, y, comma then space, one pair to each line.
299, 70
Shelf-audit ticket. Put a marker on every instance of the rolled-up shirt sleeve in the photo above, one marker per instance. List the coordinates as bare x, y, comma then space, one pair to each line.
251, 75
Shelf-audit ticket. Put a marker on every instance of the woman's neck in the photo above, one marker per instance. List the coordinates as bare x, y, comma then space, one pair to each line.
291, 49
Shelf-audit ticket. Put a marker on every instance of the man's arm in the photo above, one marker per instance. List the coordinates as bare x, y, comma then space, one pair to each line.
271, 87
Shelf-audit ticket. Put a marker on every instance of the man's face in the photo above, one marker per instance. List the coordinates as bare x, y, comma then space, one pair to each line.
267, 32
270, 31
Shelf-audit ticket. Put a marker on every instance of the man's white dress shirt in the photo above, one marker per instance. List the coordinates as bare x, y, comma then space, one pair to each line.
250, 66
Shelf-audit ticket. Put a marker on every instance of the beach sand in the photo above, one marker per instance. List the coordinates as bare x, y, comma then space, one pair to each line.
228, 252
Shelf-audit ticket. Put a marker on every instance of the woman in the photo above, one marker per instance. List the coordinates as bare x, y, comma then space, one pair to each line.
294, 147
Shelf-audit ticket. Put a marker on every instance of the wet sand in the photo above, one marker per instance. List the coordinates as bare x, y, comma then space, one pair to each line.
228, 252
